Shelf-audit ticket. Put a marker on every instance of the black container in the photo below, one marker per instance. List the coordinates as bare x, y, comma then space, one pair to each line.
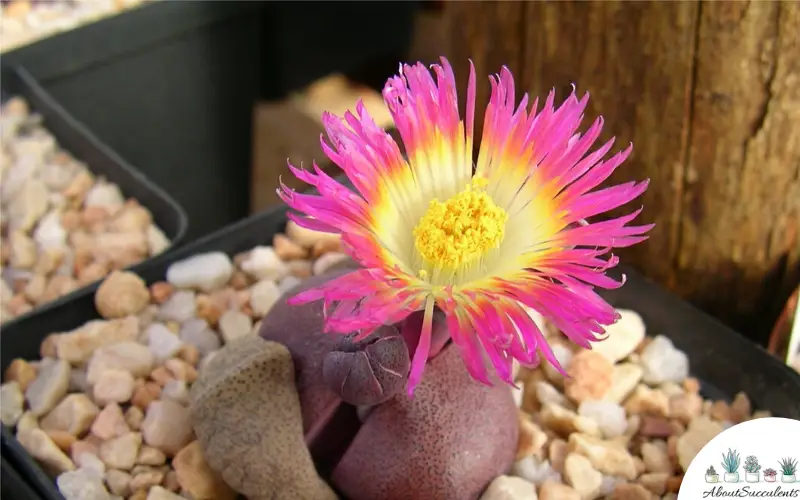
170, 86
305, 41
12, 486
723, 360
74, 138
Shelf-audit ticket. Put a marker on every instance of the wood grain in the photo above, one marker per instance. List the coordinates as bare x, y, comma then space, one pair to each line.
708, 93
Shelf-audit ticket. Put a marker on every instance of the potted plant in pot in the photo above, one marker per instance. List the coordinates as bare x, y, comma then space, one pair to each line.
711, 475
751, 469
730, 464
788, 469
452, 260
770, 475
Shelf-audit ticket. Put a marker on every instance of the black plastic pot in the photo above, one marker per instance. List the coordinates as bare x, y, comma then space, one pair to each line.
723, 360
12, 486
101, 160
170, 86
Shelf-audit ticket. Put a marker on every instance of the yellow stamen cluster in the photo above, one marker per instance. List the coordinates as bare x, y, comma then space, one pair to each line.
461, 229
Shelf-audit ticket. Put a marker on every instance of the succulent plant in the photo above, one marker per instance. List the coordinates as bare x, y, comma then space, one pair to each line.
711, 471
788, 466
770, 472
730, 461
751, 464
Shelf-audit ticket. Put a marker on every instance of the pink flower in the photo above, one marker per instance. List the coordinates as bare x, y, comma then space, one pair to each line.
484, 243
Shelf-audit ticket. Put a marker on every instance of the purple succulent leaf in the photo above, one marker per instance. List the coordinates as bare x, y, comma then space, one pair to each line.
368, 372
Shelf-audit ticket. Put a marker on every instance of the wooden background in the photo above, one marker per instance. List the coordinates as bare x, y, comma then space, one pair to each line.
709, 94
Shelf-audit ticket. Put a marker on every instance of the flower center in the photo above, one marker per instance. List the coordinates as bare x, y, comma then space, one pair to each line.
461, 229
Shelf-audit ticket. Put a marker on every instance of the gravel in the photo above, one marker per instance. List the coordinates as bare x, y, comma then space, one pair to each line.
105, 411
62, 228
24, 21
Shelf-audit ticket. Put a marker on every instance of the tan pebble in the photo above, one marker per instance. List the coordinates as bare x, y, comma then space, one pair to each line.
21, 372
685, 407
647, 400
551, 490
49, 387
74, 414
145, 495
307, 237
557, 453
161, 376
114, 386
590, 376
625, 378
672, 449
171, 481
143, 396
741, 408
761, 414
78, 346
328, 261
34, 290
161, 291
189, 354
134, 417
322, 247
580, 474
286, 249
691, 385
631, 492
301, 269
71, 220
607, 457
173, 326
93, 272
634, 425
207, 310
132, 218
118, 482
196, 477
121, 294
655, 427
18, 305
701, 430
42, 448
671, 389
677, 427
655, 482
48, 348
181, 370
62, 439
239, 280
159, 493
110, 423
674, 483
166, 426
84, 446
146, 480
151, 456
121, 452
95, 216
640, 466
655, 457
565, 422
531, 438
721, 411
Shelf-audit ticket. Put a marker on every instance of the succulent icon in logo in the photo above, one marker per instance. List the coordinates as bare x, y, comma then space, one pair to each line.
711, 475
770, 475
751, 469
730, 464
788, 469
